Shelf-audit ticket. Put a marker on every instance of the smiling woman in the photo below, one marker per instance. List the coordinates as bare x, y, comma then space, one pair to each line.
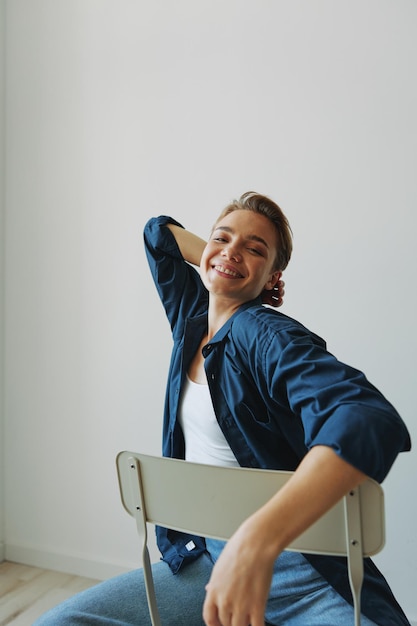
250, 386
262, 205
239, 260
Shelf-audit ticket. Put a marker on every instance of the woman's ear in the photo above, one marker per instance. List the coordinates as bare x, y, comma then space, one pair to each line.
275, 276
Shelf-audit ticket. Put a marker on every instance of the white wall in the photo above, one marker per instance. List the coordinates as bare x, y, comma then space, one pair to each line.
118, 110
2, 164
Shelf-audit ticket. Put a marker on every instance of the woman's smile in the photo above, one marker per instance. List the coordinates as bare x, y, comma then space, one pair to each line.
227, 271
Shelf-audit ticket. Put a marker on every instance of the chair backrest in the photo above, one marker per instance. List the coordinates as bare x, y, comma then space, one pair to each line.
157, 490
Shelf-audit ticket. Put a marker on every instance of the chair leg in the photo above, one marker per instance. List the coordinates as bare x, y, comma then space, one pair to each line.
354, 549
150, 589
137, 495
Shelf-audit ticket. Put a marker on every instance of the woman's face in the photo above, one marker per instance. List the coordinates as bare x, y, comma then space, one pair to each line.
238, 260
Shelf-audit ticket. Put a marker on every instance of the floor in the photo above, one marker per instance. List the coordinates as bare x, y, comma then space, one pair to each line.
27, 592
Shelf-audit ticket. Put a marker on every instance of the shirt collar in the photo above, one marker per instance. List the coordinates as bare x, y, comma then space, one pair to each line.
222, 332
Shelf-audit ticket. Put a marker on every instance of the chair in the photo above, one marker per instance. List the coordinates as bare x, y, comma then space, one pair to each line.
157, 490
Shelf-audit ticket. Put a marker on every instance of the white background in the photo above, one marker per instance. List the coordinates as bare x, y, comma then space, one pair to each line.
116, 110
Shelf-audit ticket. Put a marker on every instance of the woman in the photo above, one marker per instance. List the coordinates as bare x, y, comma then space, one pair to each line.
250, 386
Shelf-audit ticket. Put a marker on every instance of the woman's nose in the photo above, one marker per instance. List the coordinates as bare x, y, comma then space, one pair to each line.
231, 252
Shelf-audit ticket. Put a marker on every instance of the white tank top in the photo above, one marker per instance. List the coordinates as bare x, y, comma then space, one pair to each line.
204, 440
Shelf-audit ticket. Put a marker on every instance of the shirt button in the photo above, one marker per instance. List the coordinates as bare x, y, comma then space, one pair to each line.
213, 376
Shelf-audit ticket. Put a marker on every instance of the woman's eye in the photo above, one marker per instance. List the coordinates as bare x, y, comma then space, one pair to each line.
255, 251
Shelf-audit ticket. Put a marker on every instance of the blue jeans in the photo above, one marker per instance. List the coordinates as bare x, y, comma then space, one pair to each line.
299, 596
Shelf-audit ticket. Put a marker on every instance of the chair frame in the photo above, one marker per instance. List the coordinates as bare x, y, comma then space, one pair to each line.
156, 490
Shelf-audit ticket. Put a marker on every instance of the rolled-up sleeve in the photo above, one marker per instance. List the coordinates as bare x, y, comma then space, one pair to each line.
178, 284
337, 404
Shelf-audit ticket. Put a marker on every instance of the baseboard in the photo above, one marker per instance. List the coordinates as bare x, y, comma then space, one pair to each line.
67, 563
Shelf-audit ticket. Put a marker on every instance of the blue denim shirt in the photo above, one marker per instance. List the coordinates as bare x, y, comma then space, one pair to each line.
276, 390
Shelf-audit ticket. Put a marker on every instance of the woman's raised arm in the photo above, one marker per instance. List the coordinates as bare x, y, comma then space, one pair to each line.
190, 245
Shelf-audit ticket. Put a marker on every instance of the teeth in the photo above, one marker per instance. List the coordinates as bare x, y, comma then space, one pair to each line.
226, 270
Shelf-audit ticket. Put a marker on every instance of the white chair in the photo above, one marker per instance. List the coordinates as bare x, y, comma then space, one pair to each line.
157, 490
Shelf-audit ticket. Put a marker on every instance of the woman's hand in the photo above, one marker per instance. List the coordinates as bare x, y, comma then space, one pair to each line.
275, 296
239, 584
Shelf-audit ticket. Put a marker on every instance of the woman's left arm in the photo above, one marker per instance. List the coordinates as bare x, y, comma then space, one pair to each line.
239, 585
